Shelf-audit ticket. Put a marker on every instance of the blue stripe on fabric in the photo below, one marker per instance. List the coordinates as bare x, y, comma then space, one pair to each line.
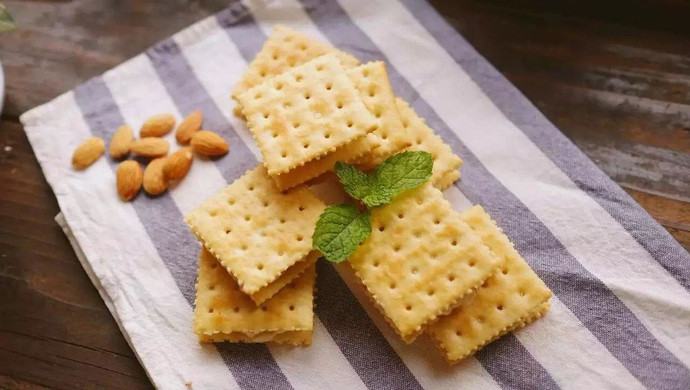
251, 364
556, 146
375, 361
611, 322
510, 375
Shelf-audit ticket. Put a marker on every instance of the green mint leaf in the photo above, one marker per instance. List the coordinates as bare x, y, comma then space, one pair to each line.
354, 181
399, 173
340, 230
377, 198
6, 22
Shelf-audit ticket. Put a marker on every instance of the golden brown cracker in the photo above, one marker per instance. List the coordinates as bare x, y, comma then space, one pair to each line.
420, 260
304, 114
371, 80
511, 298
423, 138
284, 49
256, 231
224, 312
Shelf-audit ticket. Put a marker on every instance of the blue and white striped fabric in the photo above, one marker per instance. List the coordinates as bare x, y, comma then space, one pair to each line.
620, 315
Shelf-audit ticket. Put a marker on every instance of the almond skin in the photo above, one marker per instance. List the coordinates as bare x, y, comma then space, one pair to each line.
154, 180
121, 142
88, 152
157, 126
209, 143
190, 125
178, 164
150, 147
129, 178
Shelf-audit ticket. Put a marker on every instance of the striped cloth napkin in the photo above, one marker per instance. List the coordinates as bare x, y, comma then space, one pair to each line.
620, 315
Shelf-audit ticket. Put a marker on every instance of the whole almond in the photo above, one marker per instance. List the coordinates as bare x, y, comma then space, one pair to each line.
121, 142
150, 147
154, 180
178, 164
157, 126
190, 125
88, 152
129, 177
209, 143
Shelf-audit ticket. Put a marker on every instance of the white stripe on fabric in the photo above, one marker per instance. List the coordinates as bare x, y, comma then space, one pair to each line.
563, 345
593, 350
218, 66
151, 282
589, 233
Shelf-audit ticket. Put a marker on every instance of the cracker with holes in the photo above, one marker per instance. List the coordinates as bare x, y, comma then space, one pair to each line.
371, 82
284, 49
510, 299
304, 114
316, 168
420, 260
260, 235
224, 313
446, 163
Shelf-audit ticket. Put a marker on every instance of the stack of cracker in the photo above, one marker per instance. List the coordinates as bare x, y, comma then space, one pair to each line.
309, 105
425, 266
256, 267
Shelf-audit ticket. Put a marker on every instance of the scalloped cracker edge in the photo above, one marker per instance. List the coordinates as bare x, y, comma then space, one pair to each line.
255, 231
511, 298
224, 313
420, 260
283, 50
446, 163
305, 113
373, 86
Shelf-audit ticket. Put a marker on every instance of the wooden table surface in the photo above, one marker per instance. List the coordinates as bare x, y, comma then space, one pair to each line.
616, 83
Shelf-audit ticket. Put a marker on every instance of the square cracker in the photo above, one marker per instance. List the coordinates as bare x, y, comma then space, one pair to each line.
511, 298
420, 260
256, 231
305, 113
290, 274
284, 49
224, 313
371, 82
316, 168
446, 163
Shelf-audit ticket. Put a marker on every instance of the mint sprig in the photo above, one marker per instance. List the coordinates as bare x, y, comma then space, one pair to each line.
341, 229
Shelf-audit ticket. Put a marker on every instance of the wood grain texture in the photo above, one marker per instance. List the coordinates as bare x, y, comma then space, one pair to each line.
616, 82
55, 330
615, 79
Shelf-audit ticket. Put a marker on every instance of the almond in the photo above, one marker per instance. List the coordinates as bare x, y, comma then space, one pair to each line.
121, 142
88, 152
178, 164
209, 143
154, 180
157, 126
150, 147
190, 125
129, 177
